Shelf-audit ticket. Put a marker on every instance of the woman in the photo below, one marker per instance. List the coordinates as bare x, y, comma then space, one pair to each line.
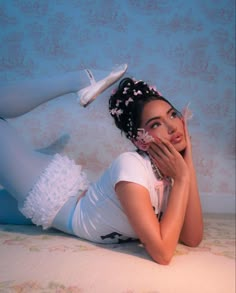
160, 132
150, 194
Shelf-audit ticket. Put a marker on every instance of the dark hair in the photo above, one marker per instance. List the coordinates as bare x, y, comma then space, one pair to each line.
127, 103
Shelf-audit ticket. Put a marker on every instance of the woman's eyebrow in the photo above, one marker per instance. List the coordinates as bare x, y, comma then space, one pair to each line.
157, 117
151, 119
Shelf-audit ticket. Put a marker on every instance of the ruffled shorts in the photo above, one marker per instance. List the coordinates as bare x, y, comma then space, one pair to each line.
61, 180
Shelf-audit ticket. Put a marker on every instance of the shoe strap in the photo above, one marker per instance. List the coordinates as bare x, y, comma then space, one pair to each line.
90, 76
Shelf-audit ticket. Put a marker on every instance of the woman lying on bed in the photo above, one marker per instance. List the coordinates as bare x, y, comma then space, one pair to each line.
150, 194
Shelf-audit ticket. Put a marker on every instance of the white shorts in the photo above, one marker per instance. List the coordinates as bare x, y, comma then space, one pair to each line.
61, 180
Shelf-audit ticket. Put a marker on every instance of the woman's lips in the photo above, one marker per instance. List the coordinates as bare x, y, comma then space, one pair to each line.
176, 138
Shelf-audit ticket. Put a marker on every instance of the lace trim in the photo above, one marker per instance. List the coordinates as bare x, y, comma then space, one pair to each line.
61, 180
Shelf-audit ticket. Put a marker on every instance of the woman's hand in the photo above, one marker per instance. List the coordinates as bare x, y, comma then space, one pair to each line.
188, 149
192, 230
187, 114
167, 159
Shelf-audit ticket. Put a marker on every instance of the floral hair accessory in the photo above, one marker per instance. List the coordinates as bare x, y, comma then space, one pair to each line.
125, 90
124, 105
137, 92
128, 101
187, 113
153, 88
143, 139
118, 103
116, 112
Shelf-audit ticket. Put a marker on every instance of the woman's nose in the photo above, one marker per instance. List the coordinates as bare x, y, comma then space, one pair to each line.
171, 128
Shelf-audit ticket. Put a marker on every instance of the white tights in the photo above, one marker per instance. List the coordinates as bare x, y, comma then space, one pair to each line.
20, 165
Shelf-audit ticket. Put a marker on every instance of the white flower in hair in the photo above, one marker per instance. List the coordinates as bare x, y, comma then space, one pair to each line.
143, 139
153, 88
125, 90
187, 113
116, 112
118, 103
138, 92
128, 101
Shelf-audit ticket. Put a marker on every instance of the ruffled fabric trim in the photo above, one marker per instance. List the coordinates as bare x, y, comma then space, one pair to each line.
61, 180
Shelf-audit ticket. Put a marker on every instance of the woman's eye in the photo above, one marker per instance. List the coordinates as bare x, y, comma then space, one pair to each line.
155, 125
174, 114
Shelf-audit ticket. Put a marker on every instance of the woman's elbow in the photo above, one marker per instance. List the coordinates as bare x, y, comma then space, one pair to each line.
164, 261
193, 238
193, 241
196, 242
163, 258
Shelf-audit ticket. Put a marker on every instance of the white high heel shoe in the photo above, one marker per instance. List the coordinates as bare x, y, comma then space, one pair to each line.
89, 93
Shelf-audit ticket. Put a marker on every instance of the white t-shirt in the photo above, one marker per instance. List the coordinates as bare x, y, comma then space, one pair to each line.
99, 216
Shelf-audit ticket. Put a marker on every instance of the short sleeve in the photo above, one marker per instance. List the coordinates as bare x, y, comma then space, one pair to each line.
131, 167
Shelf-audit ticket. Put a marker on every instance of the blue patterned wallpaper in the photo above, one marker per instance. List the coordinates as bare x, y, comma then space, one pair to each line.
185, 47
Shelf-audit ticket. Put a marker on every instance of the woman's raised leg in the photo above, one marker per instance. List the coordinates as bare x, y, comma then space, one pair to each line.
20, 166
21, 97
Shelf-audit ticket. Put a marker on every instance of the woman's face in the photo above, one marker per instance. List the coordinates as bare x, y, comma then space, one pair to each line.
159, 119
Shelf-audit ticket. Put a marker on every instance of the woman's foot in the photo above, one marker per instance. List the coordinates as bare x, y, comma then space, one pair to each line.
89, 93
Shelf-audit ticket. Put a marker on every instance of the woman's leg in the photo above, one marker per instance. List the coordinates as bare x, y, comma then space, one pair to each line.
9, 213
45, 188
19, 98
20, 166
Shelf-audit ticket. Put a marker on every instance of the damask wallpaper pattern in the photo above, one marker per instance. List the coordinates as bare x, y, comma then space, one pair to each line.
185, 47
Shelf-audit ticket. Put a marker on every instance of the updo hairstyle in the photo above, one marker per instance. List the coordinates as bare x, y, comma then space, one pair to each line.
127, 103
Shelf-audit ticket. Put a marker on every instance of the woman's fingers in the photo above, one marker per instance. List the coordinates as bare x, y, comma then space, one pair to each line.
162, 147
187, 135
156, 149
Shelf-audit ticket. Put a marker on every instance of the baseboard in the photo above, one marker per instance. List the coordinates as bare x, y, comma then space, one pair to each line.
215, 203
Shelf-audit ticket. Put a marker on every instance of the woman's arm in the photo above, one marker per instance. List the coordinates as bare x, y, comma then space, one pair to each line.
192, 231
159, 239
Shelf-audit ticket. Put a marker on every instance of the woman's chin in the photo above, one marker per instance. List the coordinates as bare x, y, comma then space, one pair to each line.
182, 151
180, 147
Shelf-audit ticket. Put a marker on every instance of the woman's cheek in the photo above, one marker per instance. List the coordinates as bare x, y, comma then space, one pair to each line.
157, 133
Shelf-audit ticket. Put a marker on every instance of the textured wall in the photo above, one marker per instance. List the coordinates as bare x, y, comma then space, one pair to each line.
185, 47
